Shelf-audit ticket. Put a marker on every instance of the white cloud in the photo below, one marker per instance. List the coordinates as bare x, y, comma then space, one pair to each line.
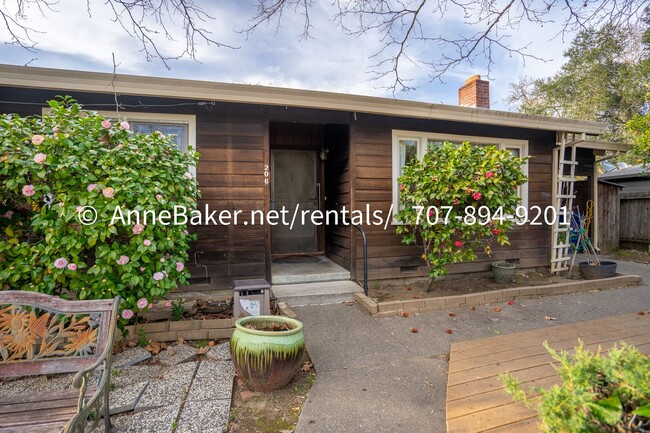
331, 61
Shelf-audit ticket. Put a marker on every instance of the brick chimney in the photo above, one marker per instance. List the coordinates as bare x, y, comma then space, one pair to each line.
475, 93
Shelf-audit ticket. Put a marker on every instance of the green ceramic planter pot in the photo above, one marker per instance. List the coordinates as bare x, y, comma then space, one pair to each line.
267, 360
503, 272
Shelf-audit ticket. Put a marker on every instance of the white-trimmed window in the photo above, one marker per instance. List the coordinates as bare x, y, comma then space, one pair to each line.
412, 144
181, 126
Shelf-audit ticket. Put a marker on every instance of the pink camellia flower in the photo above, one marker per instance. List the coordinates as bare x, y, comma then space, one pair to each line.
60, 263
137, 229
9, 214
179, 266
188, 175
80, 209
37, 139
168, 304
458, 244
142, 303
159, 197
123, 260
106, 124
477, 196
40, 158
125, 125
456, 201
72, 266
158, 276
127, 314
402, 187
496, 231
92, 187
162, 260
55, 129
186, 232
489, 175
147, 243
28, 190
108, 192
430, 213
142, 269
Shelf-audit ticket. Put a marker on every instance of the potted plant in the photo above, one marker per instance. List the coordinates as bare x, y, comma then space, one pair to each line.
267, 351
595, 269
503, 272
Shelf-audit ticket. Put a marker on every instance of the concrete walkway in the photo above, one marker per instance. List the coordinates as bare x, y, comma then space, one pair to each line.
376, 375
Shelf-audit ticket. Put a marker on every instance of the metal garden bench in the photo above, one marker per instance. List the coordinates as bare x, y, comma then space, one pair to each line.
42, 334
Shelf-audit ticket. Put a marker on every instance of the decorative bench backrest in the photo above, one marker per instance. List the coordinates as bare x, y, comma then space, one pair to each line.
42, 334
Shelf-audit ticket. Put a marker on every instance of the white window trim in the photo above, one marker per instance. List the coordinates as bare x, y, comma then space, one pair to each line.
422, 139
132, 116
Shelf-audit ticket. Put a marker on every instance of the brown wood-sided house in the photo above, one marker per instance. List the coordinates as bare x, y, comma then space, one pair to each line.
264, 147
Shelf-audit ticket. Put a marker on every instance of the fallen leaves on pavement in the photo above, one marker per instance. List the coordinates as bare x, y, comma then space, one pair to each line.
449, 331
497, 309
452, 314
403, 313
414, 330
307, 366
549, 318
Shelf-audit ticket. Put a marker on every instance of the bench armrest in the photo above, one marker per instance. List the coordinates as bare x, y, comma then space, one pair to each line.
86, 405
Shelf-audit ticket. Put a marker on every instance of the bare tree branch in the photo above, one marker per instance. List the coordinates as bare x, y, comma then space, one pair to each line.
268, 11
435, 35
411, 31
148, 21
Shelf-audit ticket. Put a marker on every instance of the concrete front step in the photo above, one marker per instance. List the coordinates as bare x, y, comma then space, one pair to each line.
319, 293
299, 270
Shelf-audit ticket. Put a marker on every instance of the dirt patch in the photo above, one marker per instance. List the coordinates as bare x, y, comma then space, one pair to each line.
393, 291
635, 256
272, 412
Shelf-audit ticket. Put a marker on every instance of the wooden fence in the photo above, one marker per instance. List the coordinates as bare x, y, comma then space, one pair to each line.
634, 228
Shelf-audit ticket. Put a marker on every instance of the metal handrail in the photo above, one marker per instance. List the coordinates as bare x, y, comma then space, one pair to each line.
365, 257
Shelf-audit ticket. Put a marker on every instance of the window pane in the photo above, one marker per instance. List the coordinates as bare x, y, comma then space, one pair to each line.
431, 142
179, 131
408, 151
514, 151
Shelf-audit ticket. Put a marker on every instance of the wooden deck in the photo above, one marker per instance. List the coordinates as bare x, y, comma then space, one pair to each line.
476, 401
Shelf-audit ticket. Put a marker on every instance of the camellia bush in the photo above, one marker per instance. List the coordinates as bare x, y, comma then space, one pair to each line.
61, 170
458, 199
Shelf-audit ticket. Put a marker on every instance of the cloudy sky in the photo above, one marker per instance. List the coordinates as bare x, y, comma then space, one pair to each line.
330, 60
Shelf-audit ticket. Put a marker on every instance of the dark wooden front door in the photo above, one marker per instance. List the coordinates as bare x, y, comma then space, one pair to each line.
294, 175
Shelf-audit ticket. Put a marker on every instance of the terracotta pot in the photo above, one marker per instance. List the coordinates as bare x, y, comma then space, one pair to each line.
267, 360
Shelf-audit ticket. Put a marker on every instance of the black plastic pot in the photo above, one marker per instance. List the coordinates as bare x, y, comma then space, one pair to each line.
594, 272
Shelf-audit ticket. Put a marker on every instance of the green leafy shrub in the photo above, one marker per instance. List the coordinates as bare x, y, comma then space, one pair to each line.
55, 165
473, 188
639, 128
597, 394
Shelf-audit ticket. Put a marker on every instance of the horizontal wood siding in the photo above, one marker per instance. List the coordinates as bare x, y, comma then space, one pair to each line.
231, 177
387, 256
337, 192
